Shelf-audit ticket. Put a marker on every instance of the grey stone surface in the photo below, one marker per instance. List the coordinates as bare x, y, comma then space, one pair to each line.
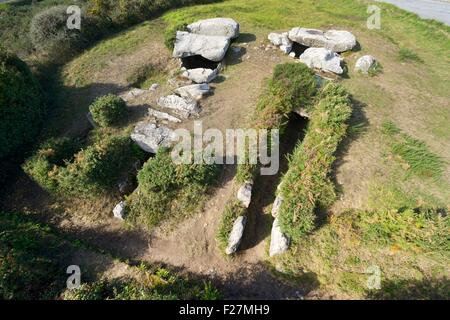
244, 194
225, 27
201, 75
365, 63
282, 41
236, 234
279, 243
334, 40
162, 115
212, 48
150, 136
194, 91
119, 210
181, 106
323, 59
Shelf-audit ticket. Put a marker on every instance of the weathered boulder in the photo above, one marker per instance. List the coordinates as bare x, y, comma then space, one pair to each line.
150, 137
194, 91
119, 210
282, 41
181, 106
133, 93
321, 58
244, 194
162, 115
365, 63
225, 27
212, 48
154, 87
279, 243
235, 238
276, 206
201, 75
334, 40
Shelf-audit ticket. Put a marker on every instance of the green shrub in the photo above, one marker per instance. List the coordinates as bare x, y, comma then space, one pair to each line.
21, 105
96, 168
108, 110
232, 211
171, 33
168, 190
159, 173
306, 183
49, 32
44, 165
28, 268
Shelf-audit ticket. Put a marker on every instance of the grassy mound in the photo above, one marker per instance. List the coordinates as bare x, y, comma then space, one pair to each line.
306, 184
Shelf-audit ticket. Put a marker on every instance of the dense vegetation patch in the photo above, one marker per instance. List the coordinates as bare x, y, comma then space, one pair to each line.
21, 109
409, 247
292, 86
307, 184
90, 172
28, 266
167, 190
108, 110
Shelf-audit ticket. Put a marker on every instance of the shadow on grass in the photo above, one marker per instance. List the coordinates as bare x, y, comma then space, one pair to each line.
412, 289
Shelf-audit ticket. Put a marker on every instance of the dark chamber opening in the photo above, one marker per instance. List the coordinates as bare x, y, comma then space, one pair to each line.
194, 62
298, 49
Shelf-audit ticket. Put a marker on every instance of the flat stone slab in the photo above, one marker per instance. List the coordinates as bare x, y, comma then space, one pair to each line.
201, 75
162, 115
212, 48
194, 91
150, 136
181, 106
225, 27
334, 40
323, 59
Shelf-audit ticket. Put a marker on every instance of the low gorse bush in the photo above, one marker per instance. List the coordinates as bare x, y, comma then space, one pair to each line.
87, 173
168, 190
22, 110
108, 110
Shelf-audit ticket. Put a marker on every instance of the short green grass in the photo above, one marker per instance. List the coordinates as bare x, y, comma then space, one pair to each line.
409, 247
406, 54
415, 154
